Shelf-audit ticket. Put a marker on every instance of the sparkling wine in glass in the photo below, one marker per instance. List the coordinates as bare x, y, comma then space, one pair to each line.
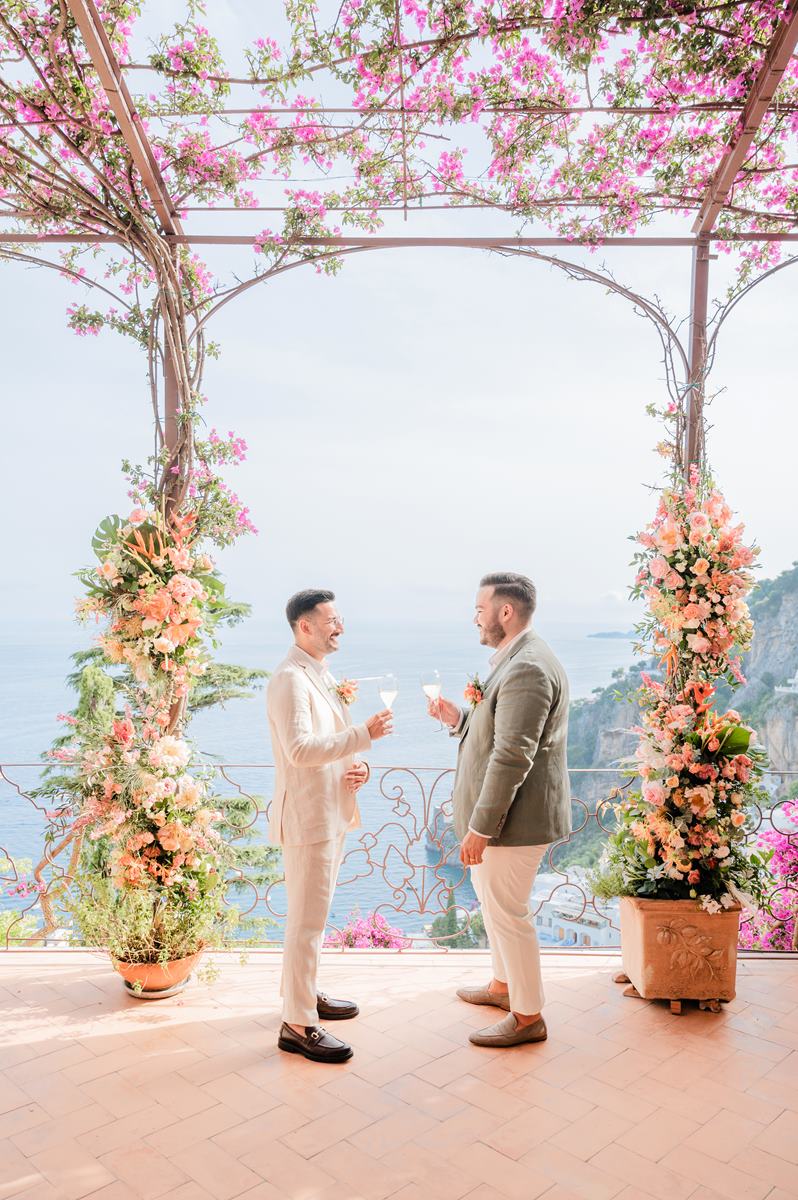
389, 690
431, 687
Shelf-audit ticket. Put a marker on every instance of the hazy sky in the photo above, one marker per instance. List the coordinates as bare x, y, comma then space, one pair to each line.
422, 418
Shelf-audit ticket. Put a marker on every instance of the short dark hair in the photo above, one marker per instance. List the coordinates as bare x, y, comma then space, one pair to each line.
304, 602
517, 588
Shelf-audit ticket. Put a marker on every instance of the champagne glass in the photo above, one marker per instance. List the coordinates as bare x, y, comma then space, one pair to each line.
431, 687
389, 689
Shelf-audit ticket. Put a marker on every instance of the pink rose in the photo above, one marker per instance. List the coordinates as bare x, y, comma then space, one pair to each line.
654, 793
180, 559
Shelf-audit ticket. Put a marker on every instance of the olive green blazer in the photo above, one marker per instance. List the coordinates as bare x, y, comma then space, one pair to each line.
511, 783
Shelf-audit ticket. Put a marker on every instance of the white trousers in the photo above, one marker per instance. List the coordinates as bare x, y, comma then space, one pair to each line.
503, 883
310, 876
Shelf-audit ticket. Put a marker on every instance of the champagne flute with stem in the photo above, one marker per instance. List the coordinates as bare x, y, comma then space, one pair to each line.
389, 689
431, 687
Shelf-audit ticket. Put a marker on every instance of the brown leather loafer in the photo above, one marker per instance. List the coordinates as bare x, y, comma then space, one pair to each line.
316, 1044
335, 1010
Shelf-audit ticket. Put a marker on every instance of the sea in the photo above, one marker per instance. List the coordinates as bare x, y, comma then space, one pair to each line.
393, 874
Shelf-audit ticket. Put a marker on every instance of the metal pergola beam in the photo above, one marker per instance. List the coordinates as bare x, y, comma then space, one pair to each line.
130, 125
777, 57
390, 243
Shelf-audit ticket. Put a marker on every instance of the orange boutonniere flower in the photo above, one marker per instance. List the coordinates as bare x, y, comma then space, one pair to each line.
346, 691
475, 691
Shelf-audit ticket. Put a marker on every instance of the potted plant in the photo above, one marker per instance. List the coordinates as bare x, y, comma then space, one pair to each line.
678, 856
153, 868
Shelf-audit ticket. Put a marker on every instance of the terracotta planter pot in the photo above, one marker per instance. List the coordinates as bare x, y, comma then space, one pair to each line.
674, 950
152, 980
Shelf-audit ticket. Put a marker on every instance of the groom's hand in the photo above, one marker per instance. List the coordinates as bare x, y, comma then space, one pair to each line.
444, 710
380, 724
356, 776
472, 848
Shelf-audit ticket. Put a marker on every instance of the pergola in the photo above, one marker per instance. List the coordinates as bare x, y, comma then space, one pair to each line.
705, 211
81, 167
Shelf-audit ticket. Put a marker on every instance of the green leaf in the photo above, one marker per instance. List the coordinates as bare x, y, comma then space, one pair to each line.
105, 532
211, 583
736, 740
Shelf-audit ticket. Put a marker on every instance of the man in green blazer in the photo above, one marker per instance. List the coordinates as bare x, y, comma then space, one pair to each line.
512, 796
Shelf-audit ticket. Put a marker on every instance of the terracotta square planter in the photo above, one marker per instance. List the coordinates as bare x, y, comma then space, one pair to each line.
674, 950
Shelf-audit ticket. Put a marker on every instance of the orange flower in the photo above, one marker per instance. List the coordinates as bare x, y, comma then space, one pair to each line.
157, 607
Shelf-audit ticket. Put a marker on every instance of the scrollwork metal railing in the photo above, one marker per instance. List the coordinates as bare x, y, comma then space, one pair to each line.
401, 883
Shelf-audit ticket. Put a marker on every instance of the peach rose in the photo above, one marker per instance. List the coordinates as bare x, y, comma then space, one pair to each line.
155, 608
669, 536
175, 836
189, 792
180, 559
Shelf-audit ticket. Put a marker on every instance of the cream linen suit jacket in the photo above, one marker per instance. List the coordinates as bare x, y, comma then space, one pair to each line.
313, 741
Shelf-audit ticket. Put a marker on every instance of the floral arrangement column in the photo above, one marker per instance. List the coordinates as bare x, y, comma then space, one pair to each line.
683, 835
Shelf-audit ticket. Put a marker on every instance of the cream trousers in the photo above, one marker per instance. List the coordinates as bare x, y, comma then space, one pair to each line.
503, 883
310, 876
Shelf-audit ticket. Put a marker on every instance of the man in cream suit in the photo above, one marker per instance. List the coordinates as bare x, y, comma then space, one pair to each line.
315, 802
511, 797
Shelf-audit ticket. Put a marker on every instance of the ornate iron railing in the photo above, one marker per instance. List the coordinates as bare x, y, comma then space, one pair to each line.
401, 864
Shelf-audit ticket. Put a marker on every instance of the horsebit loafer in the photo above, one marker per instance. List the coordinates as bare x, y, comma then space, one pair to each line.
316, 1044
335, 1010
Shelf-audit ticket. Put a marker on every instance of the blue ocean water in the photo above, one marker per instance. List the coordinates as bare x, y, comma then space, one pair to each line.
35, 658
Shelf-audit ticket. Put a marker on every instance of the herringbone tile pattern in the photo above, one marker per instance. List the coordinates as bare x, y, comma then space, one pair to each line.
106, 1097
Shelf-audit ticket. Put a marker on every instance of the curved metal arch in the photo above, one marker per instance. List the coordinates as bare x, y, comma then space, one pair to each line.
666, 331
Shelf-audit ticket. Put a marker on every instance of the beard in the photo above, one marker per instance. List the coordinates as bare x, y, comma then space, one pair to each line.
491, 633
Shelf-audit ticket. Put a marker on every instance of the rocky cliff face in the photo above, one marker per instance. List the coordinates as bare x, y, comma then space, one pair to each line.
600, 728
775, 648
778, 733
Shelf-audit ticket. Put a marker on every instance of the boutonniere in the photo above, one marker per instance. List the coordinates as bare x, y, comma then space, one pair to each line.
346, 691
475, 691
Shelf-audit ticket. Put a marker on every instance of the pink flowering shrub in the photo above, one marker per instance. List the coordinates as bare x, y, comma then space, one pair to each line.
26, 886
368, 933
775, 925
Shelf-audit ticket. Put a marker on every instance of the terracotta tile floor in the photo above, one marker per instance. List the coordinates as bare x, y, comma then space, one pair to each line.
111, 1098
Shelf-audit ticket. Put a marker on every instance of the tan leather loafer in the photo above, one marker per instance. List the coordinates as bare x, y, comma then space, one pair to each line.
482, 995
509, 1033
